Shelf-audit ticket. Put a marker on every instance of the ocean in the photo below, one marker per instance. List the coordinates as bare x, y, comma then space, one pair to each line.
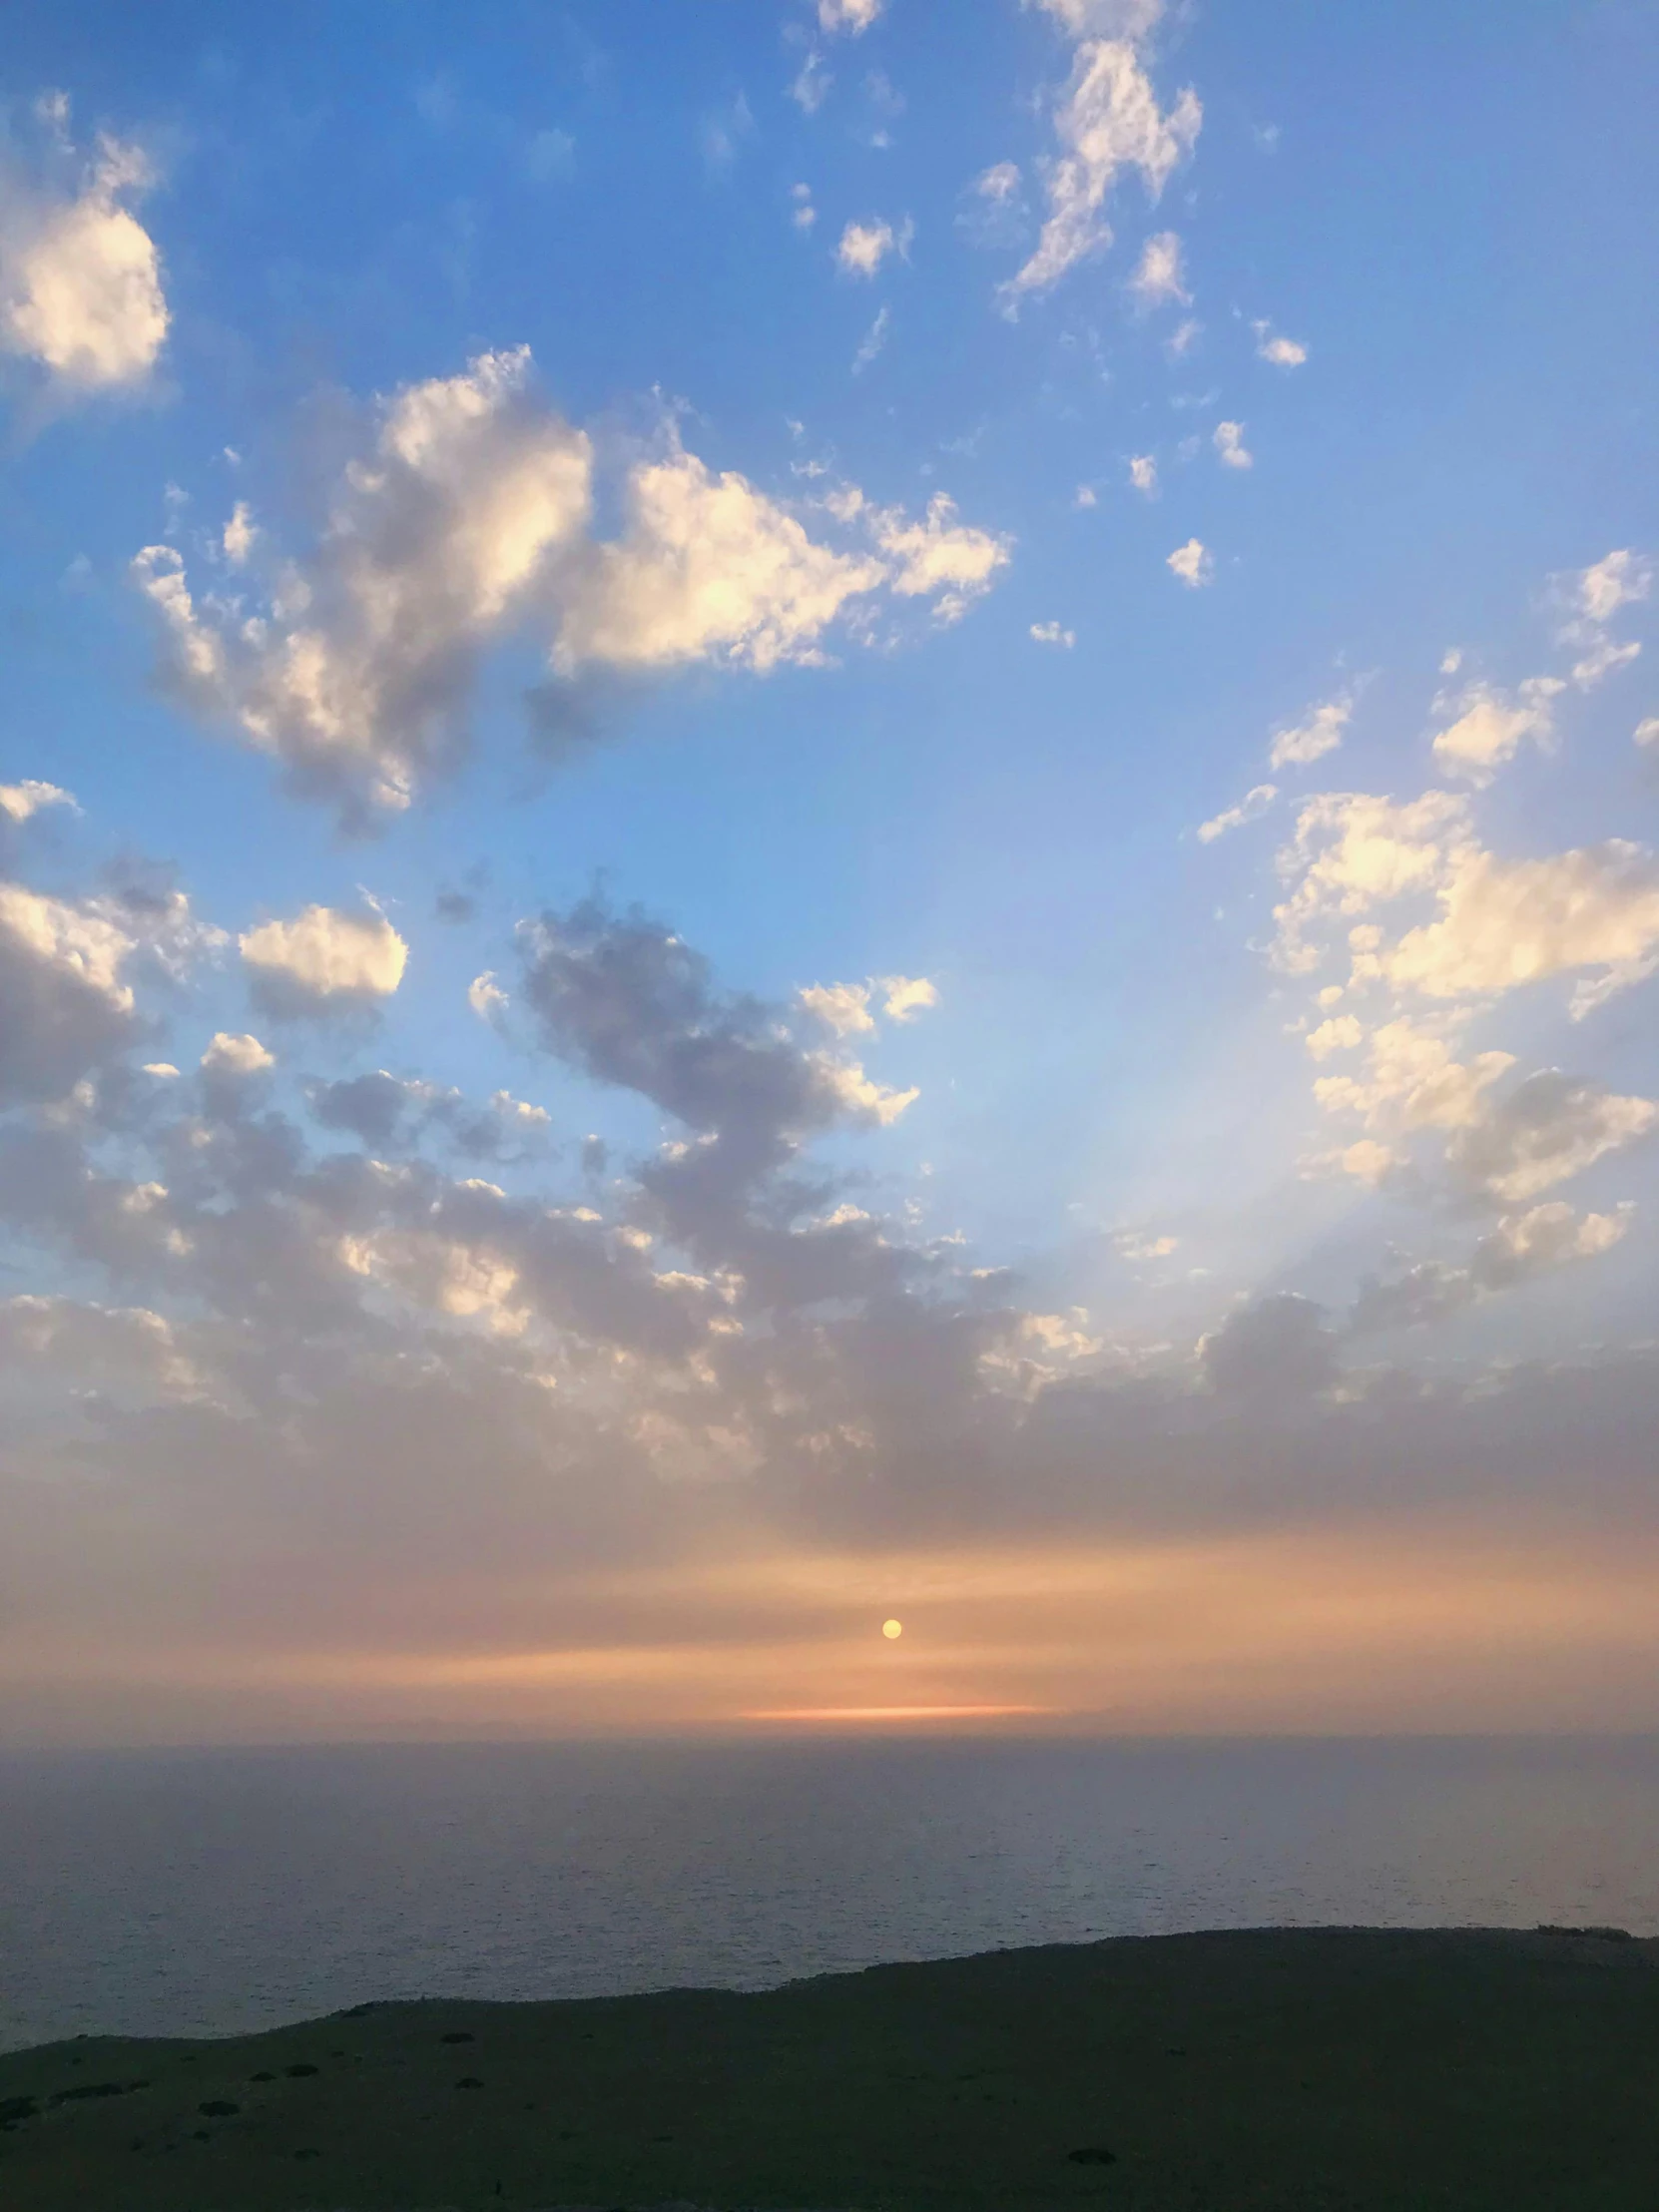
208, 1893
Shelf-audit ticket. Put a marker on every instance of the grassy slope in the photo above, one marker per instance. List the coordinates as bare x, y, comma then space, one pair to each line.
1332, 2068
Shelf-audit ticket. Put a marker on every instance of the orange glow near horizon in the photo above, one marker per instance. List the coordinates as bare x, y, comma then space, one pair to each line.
1434, 1628
901, 1713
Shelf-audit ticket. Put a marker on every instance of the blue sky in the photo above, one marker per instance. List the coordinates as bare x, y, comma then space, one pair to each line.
337, 311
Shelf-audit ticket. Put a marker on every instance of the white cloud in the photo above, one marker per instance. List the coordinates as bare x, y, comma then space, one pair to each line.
1282, 353
1352, 851
811, 85
1107, 120
239, 533
1193, 563
355, 673
1549, 1129
804, 213
842, 1008
1319, 732
875, 338
1342, 1033
1506, 924
1230, 445
853, 1089
470, 515
1086, 496
1254, 804
233, 1055
1182, 338
1491, 726
999, 183
846, 1007
1143, 473
905, 996
939, 554
79, 278
1646, 733
865, 247
1519, 1249
1126, 19
1158, 275
1137, 1243
65, 1003
1550, 1236
855, 16
325, 955
1050, 633
708, 568
17, 802
1617, 580
1500, 925
485, 995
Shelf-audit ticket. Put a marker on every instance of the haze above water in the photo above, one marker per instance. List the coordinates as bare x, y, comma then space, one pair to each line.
199, 1893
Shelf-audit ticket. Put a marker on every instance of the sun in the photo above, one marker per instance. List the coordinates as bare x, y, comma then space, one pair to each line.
892, 1629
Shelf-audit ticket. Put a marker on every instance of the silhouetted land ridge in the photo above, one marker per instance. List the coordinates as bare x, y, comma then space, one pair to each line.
1352, 2070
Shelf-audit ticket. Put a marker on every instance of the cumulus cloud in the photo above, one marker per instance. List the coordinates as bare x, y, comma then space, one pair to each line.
1254, 804
1159, 275
65, 1003
1490, 727
1278, 1345
1143, 474
1505, 924
1193, 563
1646, 732
324, 960
1282, 353
1547, 1130
237, 1055
863, 246
20, 801
1519, 1249
79, 278
470, 517
1106, 120
1230, 448
1319, 732
355, 672
1125, 19
853, 15
1495, 926
846, 1007
1051, 633
708, 568
1617, 580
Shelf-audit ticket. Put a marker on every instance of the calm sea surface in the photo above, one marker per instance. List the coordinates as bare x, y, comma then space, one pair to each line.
197, 1893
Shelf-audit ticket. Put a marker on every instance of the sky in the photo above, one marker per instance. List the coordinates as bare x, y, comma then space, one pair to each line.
813, 818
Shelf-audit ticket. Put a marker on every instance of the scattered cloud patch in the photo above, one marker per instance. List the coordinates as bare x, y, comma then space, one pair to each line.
1143, 474
1050, 633
1159, 275
20, 802
1106, 120
865, 247
323, 960
1193, 563
1250, 808
81, 291
1319, 732
1229, 446
873, 339
1282, 353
